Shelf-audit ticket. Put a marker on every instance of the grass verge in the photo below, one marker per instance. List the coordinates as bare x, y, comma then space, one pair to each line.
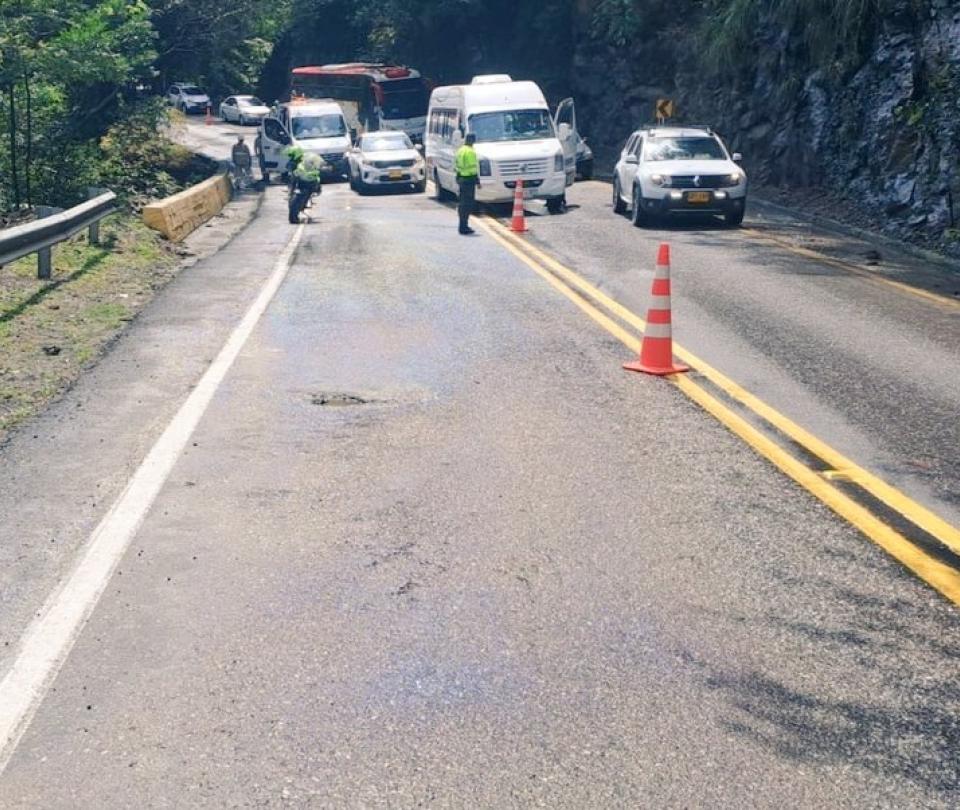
51, 330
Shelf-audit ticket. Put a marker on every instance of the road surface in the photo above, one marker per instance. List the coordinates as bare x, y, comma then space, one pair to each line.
407, 535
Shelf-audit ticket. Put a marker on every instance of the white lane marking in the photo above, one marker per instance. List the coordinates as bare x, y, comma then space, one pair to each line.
49, 638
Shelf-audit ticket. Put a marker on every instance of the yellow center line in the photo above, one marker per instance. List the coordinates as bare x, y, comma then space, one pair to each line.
944, 578
916, 513
850, 267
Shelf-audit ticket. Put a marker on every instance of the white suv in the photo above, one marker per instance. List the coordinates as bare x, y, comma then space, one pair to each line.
678, 170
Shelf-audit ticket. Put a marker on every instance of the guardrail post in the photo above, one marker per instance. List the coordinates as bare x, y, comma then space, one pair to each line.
93, 232
45, 255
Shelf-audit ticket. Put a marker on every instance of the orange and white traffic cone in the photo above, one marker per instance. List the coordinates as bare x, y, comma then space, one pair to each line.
519, 223
209, 116
656, 351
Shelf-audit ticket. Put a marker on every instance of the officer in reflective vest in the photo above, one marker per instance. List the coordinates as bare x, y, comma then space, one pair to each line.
468, 177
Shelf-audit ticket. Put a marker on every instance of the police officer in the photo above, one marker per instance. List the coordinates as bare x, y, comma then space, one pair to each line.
468, 177
306, 182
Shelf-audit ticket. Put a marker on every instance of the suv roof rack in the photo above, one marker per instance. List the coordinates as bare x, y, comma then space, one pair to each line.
706, 127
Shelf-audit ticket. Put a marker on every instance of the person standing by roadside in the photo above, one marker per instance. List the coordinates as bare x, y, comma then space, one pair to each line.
468, 178
242, 161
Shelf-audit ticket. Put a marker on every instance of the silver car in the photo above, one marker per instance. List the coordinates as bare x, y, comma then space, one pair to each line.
243, 110
188, 98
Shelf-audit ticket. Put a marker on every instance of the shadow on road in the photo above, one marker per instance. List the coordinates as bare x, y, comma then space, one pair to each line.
908, 729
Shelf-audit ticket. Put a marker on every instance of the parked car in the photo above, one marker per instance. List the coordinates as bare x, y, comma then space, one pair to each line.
188, 98
243, 110
671, 170
384, 159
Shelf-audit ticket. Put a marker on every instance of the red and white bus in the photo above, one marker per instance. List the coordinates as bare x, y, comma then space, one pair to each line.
386, 97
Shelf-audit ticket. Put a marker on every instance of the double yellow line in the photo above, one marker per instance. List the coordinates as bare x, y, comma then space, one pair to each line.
819, 479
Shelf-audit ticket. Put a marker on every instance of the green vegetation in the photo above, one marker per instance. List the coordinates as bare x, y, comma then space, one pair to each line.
834, 33
49, 331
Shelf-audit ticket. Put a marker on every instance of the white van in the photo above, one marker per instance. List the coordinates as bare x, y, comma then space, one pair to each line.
516, 139
319, 127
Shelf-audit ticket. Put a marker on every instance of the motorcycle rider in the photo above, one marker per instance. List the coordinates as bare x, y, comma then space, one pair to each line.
305, 183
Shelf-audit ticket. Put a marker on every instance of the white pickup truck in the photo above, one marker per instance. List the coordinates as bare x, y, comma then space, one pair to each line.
319, 127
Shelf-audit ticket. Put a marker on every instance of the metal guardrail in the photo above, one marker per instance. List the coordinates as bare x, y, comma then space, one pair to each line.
55, 225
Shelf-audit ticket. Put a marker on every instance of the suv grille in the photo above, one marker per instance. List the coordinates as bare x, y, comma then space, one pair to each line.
699, 181
523, 168
392, 164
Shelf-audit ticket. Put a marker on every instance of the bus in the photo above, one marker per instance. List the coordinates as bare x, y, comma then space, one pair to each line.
386, 97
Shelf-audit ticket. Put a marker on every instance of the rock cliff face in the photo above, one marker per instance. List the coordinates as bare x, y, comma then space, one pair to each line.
884, 132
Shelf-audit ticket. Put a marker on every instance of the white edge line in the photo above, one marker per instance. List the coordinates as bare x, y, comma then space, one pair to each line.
49, 638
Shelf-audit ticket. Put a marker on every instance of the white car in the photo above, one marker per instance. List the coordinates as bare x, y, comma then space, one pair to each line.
243, 110
383, 159
672, 170
188, 98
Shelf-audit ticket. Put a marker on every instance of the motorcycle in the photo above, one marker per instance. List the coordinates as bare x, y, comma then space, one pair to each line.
300, 196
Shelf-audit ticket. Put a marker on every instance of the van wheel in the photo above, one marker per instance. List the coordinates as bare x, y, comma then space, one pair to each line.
557, 205
619, 206
440, 193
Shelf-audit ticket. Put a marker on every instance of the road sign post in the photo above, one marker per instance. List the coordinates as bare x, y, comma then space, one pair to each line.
665, 108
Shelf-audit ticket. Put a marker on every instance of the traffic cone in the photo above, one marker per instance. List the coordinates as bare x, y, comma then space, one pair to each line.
656, 351
209, 116
519, 223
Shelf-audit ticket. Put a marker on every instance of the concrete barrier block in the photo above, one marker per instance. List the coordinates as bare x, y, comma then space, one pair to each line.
178, 216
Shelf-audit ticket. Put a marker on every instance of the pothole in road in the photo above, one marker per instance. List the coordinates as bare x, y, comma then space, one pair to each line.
339, 400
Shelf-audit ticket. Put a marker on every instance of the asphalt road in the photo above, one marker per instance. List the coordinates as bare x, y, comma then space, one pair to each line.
428, 544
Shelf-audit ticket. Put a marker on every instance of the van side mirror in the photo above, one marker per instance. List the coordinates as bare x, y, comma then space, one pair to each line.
737, 157
631, 159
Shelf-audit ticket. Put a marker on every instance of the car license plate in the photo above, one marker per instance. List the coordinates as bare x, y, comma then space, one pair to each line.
698, 197
396, 174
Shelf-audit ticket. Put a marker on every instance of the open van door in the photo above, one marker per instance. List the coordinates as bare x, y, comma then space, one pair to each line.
566, 121
272, 143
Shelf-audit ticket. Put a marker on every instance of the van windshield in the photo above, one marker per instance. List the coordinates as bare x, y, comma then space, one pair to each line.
512, 125
318, 126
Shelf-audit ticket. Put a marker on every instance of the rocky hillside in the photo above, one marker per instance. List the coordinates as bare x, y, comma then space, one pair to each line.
859, 98
870, 111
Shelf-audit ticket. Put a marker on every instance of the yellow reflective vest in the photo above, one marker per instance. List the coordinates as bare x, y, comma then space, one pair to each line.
467, 162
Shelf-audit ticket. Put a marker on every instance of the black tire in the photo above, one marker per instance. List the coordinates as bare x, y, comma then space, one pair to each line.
637, 215
734, 219
586, 171
556, 205
619, 206
440, 193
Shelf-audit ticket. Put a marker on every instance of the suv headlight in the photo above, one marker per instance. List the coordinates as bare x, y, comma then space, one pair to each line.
485, 168
735, 179
659, 180
558, 163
